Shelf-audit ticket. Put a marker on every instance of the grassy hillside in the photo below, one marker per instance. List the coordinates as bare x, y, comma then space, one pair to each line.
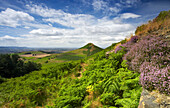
158, 26
80, 53
90, 49
50, 59
92, 82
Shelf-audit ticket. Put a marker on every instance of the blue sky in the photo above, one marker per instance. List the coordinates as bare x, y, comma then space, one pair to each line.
73, 23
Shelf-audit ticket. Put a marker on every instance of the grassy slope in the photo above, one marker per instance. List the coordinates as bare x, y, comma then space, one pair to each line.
59, 86
158, 26
77, 54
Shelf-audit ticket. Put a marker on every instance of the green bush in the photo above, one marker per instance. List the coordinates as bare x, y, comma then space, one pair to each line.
13, 66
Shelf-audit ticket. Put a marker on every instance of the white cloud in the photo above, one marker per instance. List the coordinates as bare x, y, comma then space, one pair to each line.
36, 25
26, 27
114, 9
100, 5
84, 28
103, 32
8, 41
129, 15
129, 3
72, 20
118, 4
46, 32
61, 17
44, 11
13, 18
50, 24
6, 37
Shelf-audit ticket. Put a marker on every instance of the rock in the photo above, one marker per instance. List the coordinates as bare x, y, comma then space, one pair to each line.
153, 100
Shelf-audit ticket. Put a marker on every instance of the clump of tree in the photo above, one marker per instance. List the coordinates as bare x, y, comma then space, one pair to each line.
14, 66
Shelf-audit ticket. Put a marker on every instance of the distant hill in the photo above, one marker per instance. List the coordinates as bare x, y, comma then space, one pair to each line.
90, 49
25, 50
46, 56
158, 26
11, 49
80, 53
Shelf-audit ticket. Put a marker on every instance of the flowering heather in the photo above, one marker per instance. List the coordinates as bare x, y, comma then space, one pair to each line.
118, 48
150, 56
153, 77
150, 48
134, 39
128, 44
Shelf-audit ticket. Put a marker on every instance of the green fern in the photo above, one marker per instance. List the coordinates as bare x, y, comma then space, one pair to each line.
125, 103
112, 85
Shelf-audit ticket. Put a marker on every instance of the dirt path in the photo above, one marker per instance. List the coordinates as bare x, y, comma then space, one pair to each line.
83, 65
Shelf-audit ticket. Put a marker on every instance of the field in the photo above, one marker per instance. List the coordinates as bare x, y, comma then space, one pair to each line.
37, 55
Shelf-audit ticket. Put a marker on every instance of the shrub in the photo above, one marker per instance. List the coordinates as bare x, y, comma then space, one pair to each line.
134, 39
150, 48
127, 45
13, 66
46, 61
150, 57
153, 77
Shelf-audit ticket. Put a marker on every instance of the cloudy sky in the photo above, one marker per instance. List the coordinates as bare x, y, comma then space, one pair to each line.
73, 23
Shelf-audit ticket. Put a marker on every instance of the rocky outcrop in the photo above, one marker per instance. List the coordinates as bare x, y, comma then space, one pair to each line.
153, 100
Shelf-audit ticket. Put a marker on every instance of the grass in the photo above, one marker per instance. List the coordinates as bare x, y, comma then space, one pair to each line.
70, 56
74, 55
158, 26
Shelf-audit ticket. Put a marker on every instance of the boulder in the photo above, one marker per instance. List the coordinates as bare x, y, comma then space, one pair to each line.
153, 100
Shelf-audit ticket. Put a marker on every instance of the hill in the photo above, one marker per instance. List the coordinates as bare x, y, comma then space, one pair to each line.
80, 53
47, 59
90, 49
5, 50
158, 26
91, 82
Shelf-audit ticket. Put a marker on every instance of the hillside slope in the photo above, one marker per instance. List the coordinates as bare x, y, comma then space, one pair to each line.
103, 83
90, 49
49, 59
158, 26
80, 53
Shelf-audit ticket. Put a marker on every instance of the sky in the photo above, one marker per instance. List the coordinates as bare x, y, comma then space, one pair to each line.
73, 23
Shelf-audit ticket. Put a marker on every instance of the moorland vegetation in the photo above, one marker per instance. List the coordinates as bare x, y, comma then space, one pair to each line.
96, 80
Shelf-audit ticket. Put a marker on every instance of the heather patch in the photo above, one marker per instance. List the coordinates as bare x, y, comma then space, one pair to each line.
128, 44
150, 57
